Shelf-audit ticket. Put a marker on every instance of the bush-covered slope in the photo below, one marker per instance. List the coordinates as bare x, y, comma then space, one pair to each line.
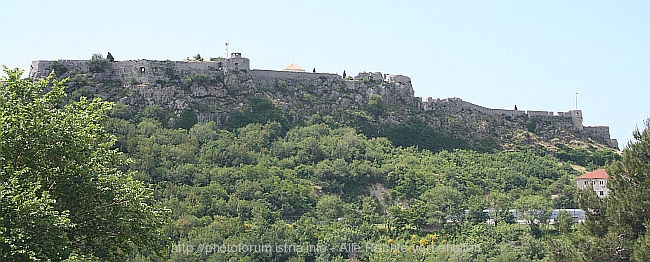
322, 186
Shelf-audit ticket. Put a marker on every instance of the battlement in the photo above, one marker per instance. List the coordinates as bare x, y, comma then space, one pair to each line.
270, 77
460, 104
139, 68
455, 104
394, 89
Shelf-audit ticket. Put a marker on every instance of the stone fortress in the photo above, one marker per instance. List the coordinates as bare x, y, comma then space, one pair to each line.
598, 132
394, 89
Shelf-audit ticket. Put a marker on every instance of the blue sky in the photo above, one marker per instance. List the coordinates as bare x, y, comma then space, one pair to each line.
533, 54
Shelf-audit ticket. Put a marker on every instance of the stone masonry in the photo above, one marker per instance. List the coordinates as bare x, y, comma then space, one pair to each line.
235, 73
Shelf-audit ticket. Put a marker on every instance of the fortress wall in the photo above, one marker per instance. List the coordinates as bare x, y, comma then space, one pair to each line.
576, 116
38, 69
258, 73
565, 114
491, 111
539, 113
377, 76
270, 77
153, 70
398, 89
149, 71
456, 104
125, 70
42, 68
601, 132
392, 92
219, 65
508, 112
400, 79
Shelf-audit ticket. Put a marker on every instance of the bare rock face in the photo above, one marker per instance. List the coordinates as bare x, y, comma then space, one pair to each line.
214, 89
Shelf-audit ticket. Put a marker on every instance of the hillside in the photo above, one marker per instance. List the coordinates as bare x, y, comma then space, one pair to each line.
320, 165
375, 104
212, 161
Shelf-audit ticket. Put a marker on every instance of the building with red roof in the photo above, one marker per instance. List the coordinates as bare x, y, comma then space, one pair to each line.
294, 68
596, 180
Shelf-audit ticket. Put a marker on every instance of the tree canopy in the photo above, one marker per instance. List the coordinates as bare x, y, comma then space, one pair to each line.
62, 190
617, 226
262, 177
98, 63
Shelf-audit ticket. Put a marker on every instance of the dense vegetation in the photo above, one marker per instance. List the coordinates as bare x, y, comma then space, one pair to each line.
258, 184
62, 194
319, 190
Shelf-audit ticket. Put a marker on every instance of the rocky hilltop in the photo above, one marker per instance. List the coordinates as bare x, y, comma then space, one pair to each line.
375, 103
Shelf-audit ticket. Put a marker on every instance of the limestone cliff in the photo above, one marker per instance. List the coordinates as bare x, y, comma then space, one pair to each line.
213, 90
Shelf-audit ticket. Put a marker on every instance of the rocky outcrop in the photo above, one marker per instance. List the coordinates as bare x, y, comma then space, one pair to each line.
214, 89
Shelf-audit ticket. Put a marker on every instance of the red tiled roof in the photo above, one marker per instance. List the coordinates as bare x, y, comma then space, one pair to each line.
294, 67
600, 173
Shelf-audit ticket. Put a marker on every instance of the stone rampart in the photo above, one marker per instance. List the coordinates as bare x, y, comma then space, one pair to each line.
456, 105
600, 133
400, 79
270, 77
539, 113
394, 89
42, 68
143, 70
376, 76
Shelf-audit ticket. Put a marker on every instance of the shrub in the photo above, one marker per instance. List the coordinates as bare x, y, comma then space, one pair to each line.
186, 120
59, 69
133, 81
97, 63
202, 79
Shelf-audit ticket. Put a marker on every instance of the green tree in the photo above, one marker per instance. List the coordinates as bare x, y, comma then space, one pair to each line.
498, 204
535, 210
629, 203
376, 105
617, 225
197, 57
564, 221
97, 63
443, 203
329, 208
258, 110
562, 248
154, 112
61, 191
186, 120
58, 68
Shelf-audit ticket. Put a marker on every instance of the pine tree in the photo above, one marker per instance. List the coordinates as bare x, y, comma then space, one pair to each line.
617, 225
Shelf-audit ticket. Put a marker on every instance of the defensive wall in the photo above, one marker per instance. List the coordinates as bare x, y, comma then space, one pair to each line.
456, 105
398, 89
271, 77
394, 89
143, 70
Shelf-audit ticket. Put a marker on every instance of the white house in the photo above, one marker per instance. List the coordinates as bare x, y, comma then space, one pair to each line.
596, 181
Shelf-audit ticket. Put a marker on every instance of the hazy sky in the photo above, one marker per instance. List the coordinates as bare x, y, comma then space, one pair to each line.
493, 53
